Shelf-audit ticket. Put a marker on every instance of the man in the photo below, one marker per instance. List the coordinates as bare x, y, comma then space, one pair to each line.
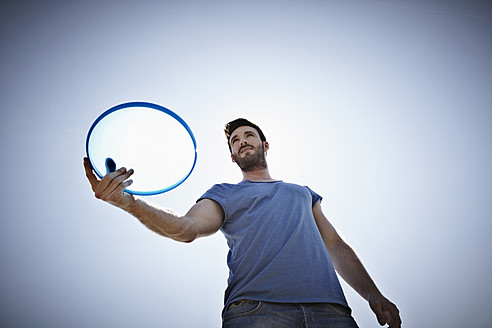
283, 252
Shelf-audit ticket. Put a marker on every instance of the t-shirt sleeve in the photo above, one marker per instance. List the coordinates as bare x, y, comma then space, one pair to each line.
217, 194
314, 196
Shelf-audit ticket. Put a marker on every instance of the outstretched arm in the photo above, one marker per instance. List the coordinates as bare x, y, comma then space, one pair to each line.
203, 219
353, 272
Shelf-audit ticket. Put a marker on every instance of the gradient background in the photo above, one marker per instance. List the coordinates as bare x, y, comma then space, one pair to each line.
383, 107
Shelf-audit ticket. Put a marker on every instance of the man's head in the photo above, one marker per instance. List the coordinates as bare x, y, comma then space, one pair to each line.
233, 125
247, 144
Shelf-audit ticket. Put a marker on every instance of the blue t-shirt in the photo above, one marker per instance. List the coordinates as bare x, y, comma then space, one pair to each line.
276, 252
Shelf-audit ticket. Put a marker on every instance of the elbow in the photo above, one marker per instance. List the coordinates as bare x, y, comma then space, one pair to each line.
187, 234
184, 237
185, 240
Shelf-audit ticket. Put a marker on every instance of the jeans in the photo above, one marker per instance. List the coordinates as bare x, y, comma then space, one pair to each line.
259, 314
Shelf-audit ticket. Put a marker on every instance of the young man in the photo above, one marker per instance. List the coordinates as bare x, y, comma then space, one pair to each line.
283, 252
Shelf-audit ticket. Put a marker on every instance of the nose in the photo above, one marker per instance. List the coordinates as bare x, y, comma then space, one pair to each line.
244, 143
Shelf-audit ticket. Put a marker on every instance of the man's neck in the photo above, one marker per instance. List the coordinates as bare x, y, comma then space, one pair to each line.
261, 175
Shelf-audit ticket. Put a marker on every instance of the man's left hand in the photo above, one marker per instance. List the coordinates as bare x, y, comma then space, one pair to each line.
386, 312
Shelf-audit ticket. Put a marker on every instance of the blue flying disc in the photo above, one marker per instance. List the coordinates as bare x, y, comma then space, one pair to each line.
153, 140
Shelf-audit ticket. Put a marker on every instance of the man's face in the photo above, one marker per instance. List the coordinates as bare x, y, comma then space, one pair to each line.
248, 151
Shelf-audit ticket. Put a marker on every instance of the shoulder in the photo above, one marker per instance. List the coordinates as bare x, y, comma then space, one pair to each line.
315, 197
222, 187
219, 192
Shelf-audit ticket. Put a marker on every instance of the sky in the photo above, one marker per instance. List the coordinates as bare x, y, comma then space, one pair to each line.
383, 107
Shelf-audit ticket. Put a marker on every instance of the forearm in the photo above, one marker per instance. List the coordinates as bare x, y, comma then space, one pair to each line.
163, 222
350, 268
353, 272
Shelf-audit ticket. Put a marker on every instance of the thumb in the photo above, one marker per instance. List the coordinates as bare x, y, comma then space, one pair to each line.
381, 318
378, 311
110, 165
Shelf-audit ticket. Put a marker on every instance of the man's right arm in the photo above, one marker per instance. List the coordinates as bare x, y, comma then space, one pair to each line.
203, 219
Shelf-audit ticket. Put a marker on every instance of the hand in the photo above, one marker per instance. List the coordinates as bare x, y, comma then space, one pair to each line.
386, 312
111, 187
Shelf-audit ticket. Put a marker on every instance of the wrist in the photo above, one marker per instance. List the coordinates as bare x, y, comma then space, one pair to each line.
374, 296
129, 204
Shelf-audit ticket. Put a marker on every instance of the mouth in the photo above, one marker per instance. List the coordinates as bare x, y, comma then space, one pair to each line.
246, 148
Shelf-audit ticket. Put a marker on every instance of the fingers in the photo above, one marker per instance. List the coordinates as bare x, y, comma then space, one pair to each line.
385, 319
120, 182
386, 312
389, 315
394, 320
113, 184
379, 315
113, 194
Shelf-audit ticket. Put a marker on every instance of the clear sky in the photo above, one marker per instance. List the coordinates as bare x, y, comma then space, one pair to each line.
382, 107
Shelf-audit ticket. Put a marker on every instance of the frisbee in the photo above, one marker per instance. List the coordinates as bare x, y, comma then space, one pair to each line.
149, 138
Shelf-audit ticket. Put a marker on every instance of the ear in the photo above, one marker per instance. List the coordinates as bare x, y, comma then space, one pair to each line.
266, 146
232, 158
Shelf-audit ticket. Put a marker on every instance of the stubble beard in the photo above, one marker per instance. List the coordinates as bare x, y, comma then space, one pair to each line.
252, 162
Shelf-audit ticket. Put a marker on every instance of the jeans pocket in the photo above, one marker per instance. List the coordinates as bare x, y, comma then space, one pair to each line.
242, 308
340, 309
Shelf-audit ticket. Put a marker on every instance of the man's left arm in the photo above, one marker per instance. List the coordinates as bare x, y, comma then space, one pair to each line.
350, 268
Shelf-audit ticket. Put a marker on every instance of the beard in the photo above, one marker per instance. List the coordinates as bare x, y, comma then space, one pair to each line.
252, 162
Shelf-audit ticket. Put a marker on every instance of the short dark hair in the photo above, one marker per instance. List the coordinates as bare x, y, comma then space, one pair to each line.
233, 125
